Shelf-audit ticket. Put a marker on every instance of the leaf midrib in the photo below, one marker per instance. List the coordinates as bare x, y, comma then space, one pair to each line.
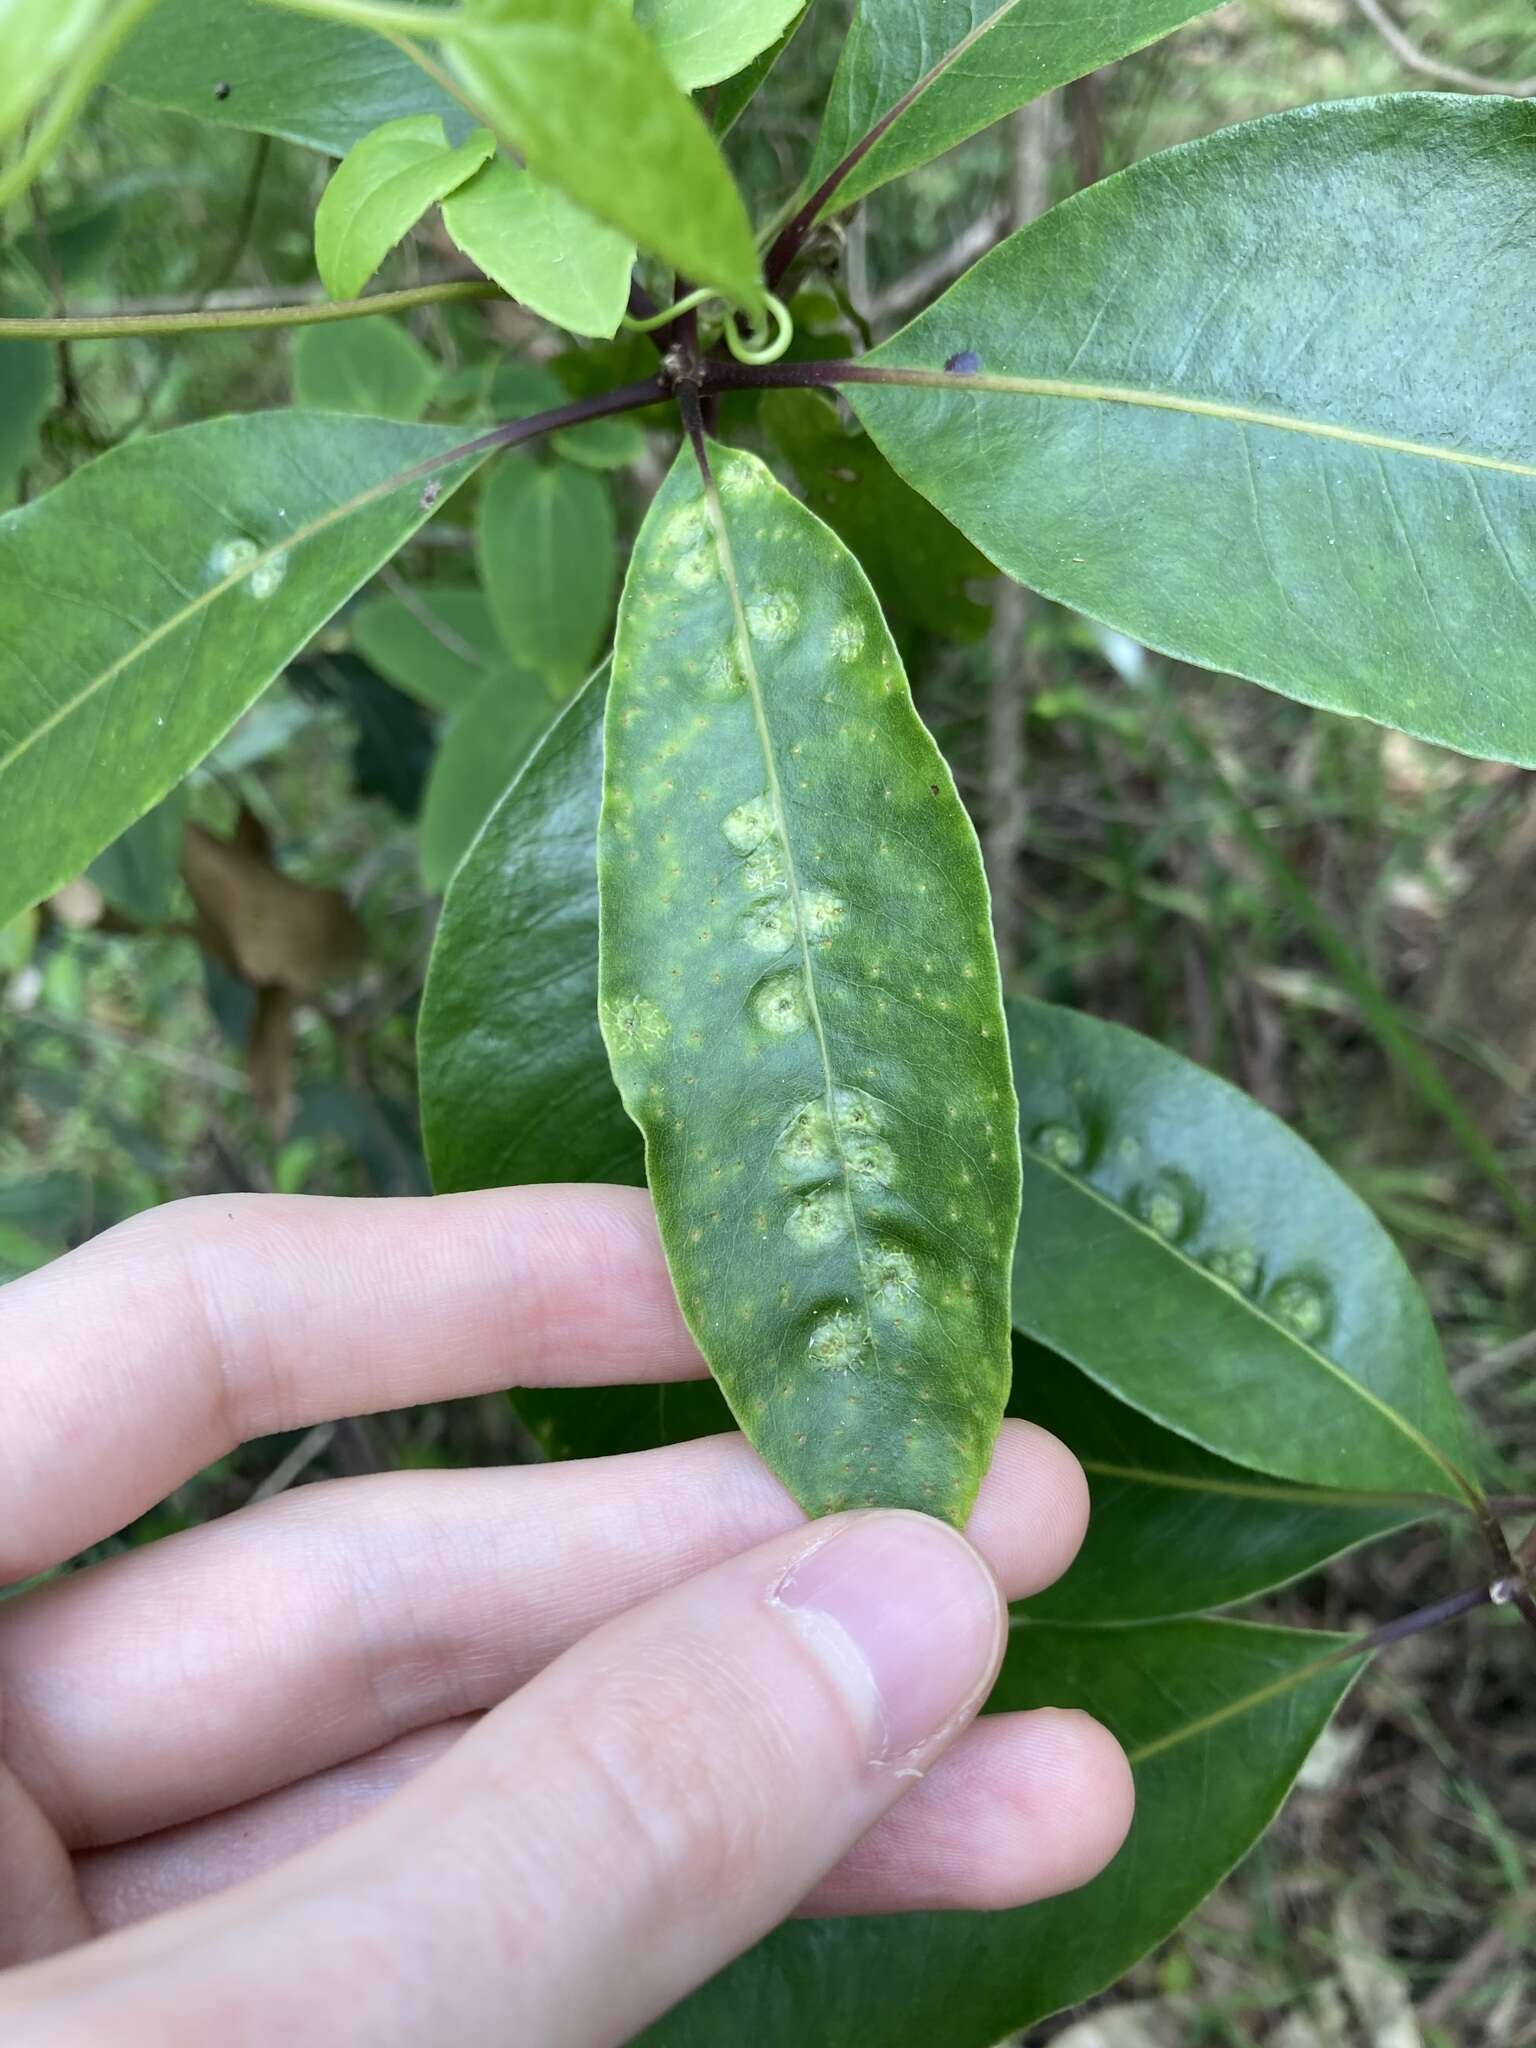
1279, 1490
1256, 1310
1180, 402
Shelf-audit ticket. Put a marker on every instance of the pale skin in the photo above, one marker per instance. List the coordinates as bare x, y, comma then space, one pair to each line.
513, 1755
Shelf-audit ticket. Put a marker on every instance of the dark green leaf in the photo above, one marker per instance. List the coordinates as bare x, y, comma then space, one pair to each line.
394, 743
515, 1086
138, 872
436, 641
548, 560
1218, 1718
981, 61
26, 398
364, 366
1192, 1254
485, 745
381, 189
1174, 1530
800, 1001
287, 74
603, 1422
541, 247
1265, 402
563, 80
177, 574
919, 564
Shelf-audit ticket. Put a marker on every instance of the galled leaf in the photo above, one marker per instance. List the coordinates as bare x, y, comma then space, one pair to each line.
800, 1001
1265, 402
515, 1085
548, 560
1193, 1255
970, 63
379, 191
1174, 1530
542, 248
147, 601
580, 92
1217, 1717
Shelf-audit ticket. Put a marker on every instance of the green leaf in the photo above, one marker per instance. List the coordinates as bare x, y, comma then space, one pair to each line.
379, 191
606, 1422
732, 99
26, 399
916, 560
139, 871
548, 560
542, 248
515, 1084
587, 101
1174, 1530
365, 366
39, 38
486, 743
1218, 1718
147, 601
437, 642
1194, 1256
602, 444
1265, 402
704, 41
971, 62
288, 74
800, 1001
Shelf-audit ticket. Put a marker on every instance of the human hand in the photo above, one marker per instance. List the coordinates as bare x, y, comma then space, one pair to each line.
511, 1755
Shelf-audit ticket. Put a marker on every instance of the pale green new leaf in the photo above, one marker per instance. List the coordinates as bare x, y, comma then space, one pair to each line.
542, 248
704, 41
800, 1000
548, 559
1217, 1717
370, 366
1266, 402
148, 600
1192, 1254
487, 741
379, 191
515, 1084
38, 38
581, 93
970, 63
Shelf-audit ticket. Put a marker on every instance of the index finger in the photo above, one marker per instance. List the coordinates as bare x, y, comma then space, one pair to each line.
133, 1362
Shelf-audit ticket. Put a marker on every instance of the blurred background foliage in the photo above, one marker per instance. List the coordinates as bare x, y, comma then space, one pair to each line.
1337, 918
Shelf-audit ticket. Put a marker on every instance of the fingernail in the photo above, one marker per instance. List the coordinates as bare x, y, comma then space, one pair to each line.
907, 1620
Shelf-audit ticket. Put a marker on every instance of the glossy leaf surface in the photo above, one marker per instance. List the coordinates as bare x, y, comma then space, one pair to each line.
486, 743
288, 74
704, 41
1174, 1530
1218, 1718
542, 248
515, 1084
147, 601
800, 1001
982, 60
382, 187
1265, 402
587, 101
1192, 1254
438, 642
370, 366
548, 561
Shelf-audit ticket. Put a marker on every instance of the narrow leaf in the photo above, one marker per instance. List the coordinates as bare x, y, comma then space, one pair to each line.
704, 41
1194, 1256
967, 63
437, 642
800, 1000
515, 1084
548, 560
542, 248
147, 601
1265, 402
287, 74
363, 366
1174, 1530
486, 743
1218, 1718
587, 101
381, 189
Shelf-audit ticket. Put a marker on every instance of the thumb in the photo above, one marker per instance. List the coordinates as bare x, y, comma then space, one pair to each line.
608, 1838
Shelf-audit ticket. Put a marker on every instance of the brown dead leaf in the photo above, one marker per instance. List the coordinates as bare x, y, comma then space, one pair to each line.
262, 925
